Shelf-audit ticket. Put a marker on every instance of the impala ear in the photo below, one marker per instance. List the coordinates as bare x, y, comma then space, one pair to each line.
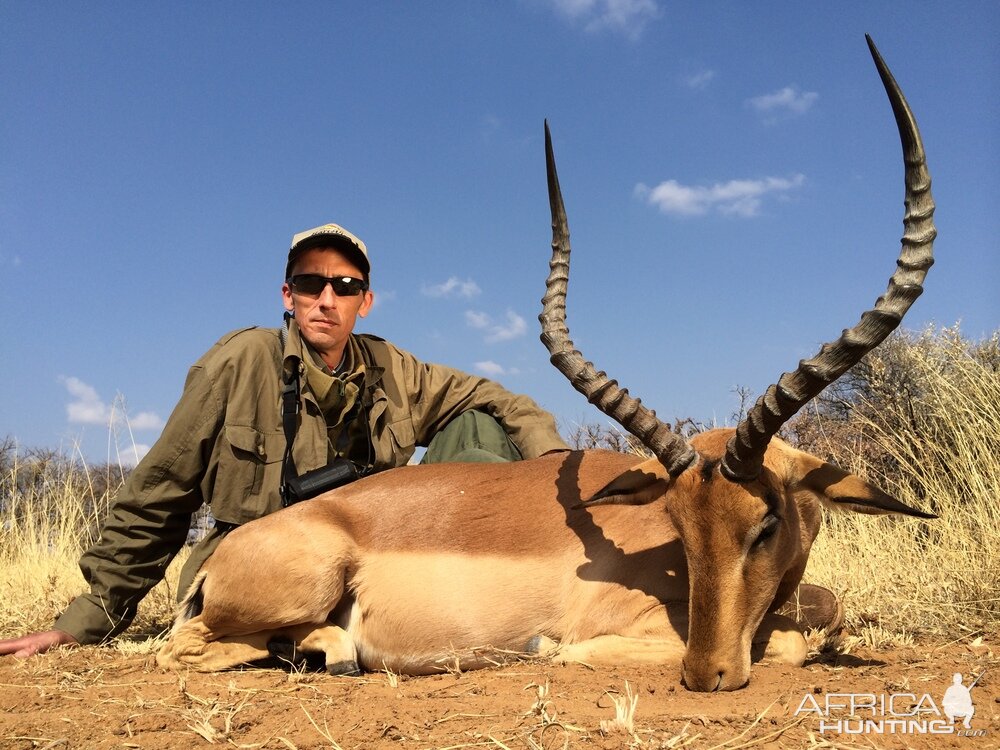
842, 490
639, 485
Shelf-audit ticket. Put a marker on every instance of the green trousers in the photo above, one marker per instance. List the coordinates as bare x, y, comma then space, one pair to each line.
472, 437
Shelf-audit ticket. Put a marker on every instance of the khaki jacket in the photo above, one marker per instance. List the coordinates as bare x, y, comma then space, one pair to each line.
224, 442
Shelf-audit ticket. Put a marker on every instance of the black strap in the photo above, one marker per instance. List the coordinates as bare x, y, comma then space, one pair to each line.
290, 408
363, 406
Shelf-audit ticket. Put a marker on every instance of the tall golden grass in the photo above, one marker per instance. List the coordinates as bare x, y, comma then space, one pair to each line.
51, 509
920, 418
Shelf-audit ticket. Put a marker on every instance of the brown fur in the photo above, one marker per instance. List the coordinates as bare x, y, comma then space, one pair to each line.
423, 568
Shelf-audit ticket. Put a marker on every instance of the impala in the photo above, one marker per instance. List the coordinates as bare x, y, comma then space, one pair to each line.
587, 555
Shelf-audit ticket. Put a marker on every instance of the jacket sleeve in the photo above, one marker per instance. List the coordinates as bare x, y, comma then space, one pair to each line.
149, 521
438, 394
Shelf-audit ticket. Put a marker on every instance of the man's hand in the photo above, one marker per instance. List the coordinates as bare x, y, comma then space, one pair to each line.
36, 643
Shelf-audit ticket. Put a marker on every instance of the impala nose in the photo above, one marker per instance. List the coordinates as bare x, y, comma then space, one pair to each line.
711, 678
701, 681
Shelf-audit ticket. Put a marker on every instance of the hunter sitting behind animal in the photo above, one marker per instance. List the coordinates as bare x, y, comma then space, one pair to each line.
361, 398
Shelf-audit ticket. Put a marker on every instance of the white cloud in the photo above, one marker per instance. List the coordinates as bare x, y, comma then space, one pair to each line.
699, 80
627, 17
146, 420
382, 297
512, 327
489, 368
787, 101
453, 287
736, 197
476, 319
133, 454
87, 407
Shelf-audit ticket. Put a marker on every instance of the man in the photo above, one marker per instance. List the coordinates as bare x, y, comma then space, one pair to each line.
354, 397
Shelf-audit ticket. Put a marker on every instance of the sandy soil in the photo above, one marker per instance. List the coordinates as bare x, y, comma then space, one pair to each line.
100, 698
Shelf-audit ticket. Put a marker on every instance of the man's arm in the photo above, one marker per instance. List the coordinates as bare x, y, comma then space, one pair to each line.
149, 522
438, 394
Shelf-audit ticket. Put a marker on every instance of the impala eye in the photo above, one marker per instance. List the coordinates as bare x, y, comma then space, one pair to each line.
768, 527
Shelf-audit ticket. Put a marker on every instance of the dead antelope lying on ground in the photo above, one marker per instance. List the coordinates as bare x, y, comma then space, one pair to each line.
682, 557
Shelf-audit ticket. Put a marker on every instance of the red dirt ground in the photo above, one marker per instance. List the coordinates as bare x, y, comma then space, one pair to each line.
100, 698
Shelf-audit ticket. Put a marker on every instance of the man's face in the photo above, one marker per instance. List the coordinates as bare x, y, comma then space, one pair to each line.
326, 320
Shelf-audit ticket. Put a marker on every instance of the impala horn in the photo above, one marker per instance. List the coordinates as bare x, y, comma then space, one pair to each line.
670, 448
745, 452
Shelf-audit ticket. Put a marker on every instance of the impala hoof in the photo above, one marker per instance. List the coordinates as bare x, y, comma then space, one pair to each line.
344, 669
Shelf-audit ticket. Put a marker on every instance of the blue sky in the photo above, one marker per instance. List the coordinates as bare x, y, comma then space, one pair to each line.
731, 171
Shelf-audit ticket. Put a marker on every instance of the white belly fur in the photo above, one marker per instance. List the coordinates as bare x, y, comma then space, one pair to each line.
417, 613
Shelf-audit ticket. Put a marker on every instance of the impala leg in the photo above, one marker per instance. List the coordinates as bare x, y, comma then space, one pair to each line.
779, 638
619, 649
656, 639
194, 646
330, 640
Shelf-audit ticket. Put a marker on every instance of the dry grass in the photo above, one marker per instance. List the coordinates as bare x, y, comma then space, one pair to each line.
624, 704
934, 443
51, 509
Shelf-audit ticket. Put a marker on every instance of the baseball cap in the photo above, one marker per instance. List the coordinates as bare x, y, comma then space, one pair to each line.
329, 235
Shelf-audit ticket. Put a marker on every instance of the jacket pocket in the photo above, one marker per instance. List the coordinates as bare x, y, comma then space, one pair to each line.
249, 473
402, 441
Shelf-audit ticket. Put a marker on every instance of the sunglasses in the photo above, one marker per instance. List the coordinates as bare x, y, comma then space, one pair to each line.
312, 285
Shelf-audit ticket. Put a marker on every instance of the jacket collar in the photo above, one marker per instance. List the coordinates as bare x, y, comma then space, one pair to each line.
296, 349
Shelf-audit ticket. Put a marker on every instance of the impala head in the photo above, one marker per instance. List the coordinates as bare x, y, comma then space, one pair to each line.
745, 503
